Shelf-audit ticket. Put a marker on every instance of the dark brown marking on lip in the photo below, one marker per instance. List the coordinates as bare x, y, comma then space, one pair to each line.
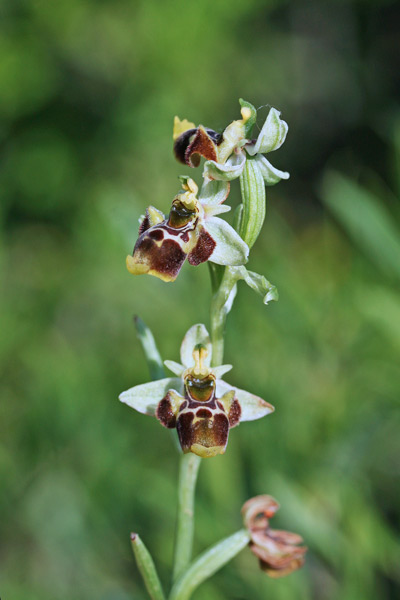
185, 236
220, 405
185, 430
203, 249
156, 234
204, 413
168, 259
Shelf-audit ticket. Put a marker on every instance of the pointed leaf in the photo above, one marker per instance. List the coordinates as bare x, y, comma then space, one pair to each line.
147, 568
227, 171
196, 335
271, 136
270, 174
230, 248
145, 397
259, 284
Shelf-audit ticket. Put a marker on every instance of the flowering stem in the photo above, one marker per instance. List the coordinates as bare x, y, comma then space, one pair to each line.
189, 467
218, 314
208, 563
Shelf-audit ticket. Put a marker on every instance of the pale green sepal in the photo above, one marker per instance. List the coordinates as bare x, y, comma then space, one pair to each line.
230, 248
214, 192
195, 336
175, 367
253, 196
253, 407
208, 563
271, 136
250, 121
150, 349
227, 171
147, 568
221, 370
145, 397
259, 284
270, 174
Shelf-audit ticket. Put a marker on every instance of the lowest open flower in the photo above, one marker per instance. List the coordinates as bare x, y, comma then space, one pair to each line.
279, 552
198, 402
192, 230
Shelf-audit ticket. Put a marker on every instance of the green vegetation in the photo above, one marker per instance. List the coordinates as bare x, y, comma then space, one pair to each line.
89, 90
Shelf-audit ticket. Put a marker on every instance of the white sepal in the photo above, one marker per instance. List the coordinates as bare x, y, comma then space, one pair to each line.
230, 248
145, 397
270, 174
271, 136
252, 406
196, 335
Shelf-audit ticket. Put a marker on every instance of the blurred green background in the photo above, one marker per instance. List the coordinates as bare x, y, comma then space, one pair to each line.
88, 92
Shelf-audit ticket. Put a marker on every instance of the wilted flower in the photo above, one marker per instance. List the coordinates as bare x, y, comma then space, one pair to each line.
226, 153
198, 403
279, 551
191, 230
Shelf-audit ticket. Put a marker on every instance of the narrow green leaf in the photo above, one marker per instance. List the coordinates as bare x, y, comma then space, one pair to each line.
208, 563
147, 568
366, 219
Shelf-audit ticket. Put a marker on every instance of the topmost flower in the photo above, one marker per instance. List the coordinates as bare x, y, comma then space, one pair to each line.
226, 152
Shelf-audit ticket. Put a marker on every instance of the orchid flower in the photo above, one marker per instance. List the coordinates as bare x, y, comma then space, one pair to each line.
279, 552
226, 153
198, 403
192, 230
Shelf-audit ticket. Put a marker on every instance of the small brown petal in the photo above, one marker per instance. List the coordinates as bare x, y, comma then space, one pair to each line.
295, 564
258, 510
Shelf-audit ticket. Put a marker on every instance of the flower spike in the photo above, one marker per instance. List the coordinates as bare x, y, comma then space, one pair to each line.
279, 552
192, 230
201, 406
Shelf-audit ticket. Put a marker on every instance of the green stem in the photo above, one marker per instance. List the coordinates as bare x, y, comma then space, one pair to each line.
219, 312
208, 563
147, 569
189, 467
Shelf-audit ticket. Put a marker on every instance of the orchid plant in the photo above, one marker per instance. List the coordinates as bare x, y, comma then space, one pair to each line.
196, 401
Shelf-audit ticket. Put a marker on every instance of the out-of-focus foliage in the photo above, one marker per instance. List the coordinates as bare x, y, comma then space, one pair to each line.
88, 91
